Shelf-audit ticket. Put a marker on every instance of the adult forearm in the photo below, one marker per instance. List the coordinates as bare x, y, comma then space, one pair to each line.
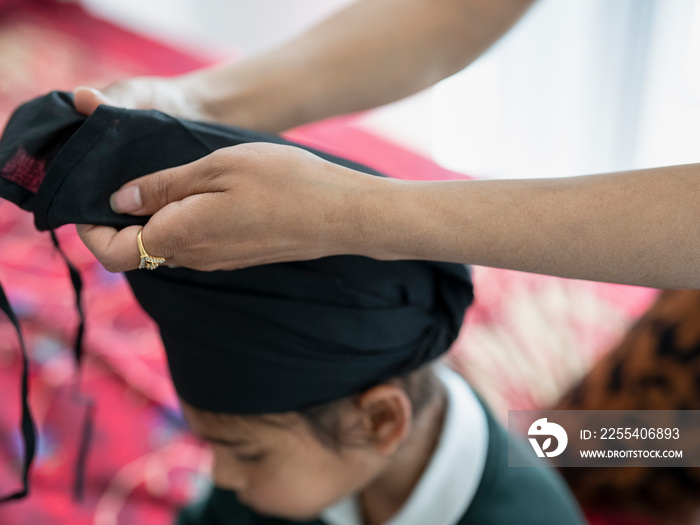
262, 203
637, 227
371, 53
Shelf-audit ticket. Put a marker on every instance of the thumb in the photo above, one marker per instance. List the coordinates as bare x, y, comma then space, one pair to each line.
148, 194
86, 99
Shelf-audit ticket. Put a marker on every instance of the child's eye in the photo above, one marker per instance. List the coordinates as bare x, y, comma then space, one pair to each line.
250, 458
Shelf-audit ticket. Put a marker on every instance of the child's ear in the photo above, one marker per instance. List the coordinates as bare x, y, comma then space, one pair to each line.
386, 417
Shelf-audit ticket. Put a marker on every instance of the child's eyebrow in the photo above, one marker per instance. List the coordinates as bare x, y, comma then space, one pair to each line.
227, 442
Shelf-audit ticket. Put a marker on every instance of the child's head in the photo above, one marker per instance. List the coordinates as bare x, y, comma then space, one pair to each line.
254, 348
297, 463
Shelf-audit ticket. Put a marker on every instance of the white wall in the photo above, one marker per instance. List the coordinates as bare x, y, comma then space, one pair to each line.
251, 25
557, 96
670, 119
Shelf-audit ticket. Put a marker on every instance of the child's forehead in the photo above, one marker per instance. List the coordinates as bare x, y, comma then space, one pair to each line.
235, 428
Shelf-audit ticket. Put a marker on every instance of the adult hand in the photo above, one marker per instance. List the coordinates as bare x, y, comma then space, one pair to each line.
178, 96
240, 206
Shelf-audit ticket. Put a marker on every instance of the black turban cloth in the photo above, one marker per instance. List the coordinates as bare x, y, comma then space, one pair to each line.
271, 338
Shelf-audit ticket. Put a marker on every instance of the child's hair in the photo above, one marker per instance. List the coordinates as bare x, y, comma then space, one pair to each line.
420, 385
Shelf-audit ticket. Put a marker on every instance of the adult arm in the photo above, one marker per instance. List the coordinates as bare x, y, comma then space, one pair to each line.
368, 54
263, 203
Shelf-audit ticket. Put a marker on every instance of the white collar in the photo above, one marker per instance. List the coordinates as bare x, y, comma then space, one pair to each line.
448, 484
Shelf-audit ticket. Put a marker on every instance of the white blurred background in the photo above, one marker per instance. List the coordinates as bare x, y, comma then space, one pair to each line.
578, 86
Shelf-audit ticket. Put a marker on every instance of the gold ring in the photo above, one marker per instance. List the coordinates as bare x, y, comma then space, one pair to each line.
149, 262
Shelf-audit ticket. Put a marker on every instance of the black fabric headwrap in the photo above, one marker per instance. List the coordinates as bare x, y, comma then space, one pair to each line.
271, 338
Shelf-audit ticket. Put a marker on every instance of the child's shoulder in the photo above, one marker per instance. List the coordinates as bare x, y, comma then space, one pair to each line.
527, 495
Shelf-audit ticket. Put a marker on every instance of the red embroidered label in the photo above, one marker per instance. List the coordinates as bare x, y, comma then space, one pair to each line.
25, 170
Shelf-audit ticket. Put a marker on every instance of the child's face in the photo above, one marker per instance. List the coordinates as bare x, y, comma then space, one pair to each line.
283, 471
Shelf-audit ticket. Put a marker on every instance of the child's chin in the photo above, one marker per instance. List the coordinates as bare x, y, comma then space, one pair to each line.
310, 516
284, 514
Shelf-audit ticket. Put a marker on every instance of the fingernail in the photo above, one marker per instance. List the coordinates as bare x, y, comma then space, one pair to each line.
126, 200
104, 98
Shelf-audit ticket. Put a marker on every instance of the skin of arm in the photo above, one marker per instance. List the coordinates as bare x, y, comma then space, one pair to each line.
263, 203
371, 53
638, 227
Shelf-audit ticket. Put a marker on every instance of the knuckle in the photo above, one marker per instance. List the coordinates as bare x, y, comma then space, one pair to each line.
217, 164
184, 241
241, 157
159, 191
115, 88
217, 156
120, 91
250, 154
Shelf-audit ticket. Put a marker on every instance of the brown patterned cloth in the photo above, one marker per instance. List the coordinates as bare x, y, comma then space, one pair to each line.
656, 366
